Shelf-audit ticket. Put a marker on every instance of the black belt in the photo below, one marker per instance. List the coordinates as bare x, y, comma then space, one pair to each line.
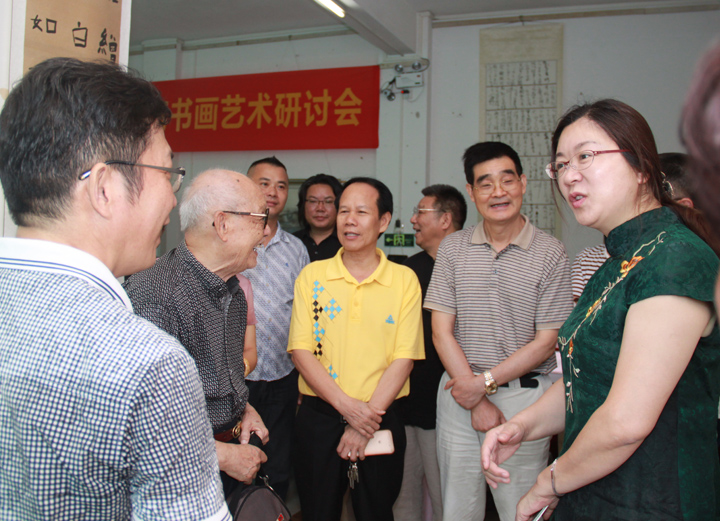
527, 381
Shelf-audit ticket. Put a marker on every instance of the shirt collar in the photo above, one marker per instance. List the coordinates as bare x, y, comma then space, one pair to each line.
280, 235
382, 274
626, 235
35, 255
522, 239
215, 286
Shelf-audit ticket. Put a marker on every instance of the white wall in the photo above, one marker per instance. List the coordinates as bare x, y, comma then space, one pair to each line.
644, 60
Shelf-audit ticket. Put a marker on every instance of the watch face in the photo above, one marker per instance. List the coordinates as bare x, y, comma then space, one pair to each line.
491, 387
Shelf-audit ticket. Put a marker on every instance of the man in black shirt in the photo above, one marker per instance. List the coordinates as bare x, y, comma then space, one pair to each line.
317, 211
439, 213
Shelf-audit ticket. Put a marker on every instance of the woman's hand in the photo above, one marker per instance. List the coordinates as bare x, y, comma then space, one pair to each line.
537, 498
500, 443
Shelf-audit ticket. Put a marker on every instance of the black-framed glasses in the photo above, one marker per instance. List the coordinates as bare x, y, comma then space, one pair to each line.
579, 161
176, 174
329, 201
264, 215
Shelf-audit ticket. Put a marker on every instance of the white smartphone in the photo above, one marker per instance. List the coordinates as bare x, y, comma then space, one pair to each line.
539, 515
381, 443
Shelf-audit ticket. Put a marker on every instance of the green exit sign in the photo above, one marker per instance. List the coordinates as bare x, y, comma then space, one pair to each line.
399, 239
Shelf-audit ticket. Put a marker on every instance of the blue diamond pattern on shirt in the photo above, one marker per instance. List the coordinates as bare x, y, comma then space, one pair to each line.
332, 372
317, 289
318, 331
332, 309
390, 320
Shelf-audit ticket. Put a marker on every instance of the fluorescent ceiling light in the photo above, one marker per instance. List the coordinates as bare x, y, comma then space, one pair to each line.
332, 6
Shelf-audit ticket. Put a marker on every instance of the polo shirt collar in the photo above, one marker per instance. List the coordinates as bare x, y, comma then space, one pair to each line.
382, 274
522, 239
61, 259
214, 285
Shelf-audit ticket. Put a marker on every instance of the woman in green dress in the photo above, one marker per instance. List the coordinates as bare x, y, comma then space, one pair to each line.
641, 350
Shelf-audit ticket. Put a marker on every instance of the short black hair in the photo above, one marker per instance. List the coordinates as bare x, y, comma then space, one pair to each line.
674, 166
385, 198
272, 160
63, 117
448, 199
485, 151
317, 179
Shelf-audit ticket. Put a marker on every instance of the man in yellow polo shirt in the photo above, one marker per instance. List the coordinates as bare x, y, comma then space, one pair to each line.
356, 329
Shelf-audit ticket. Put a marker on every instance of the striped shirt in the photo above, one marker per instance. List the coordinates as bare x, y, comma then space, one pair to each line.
273, 281
92, 397
586, 264
500, 300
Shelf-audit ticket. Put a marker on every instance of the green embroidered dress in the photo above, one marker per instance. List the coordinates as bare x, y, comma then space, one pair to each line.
674, 474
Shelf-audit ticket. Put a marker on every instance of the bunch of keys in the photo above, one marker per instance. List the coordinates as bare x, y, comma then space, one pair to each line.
353, 474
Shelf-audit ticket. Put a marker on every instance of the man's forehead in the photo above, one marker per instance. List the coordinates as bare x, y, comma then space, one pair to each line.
268, 172
362, 194
428, 201
494, 168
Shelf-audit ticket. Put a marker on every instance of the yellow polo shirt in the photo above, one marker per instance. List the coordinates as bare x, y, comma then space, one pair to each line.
356, 329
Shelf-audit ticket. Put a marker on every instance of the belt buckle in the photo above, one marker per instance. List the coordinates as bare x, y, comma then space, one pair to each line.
237, 430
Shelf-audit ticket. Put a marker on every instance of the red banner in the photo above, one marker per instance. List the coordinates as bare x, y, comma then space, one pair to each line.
317, 109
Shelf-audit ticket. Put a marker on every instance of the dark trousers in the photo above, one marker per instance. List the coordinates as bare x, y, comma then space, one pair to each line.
276, 403
321, 474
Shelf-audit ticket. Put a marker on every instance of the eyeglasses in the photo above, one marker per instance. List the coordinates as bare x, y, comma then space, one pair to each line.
317, 202
487, 187
579, 161
264, 216
418, 211
176, 174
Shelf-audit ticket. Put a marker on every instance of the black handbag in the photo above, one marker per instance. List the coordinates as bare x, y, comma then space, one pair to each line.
258, 502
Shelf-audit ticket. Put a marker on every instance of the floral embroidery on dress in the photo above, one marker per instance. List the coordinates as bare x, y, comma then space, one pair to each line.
567, 344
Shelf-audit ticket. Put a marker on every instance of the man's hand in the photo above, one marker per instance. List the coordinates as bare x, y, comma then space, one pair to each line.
241, 462
363, 417
500, 443
251, 422
485, 416
467, 390
352, 445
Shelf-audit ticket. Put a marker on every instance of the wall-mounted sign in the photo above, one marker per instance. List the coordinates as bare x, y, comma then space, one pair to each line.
83, 29
399, 239
315, 109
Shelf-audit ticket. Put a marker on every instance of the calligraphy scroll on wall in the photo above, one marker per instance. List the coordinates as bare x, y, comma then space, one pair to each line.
83, 29
298, 110
520, 101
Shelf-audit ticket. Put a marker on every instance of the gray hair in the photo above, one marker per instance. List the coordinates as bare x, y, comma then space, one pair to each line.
201, 200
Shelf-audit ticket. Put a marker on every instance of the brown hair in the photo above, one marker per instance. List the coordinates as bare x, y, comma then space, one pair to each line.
700, 132
630, 131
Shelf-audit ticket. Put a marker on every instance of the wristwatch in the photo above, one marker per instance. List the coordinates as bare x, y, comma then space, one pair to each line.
491, 385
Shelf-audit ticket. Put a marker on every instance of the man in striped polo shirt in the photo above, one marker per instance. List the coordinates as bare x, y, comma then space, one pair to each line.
498, 295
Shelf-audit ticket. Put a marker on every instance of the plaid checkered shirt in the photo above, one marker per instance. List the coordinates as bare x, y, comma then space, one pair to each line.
102, 415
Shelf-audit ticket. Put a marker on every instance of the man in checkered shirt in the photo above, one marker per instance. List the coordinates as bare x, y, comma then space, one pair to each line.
102, 415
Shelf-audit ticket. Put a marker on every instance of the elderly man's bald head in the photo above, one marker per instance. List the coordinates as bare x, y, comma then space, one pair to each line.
217, 190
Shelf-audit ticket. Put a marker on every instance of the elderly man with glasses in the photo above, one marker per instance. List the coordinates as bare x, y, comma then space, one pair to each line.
192, 292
